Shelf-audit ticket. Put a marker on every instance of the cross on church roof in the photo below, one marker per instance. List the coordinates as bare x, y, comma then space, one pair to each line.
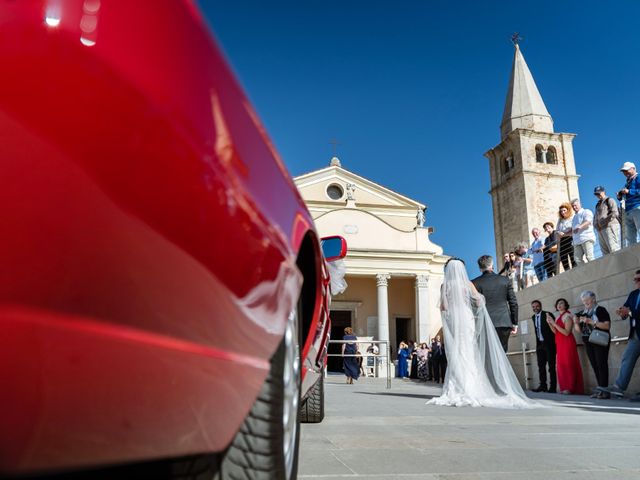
335, 143
516, 38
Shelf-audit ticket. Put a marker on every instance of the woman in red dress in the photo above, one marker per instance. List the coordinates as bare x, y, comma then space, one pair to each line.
568, 363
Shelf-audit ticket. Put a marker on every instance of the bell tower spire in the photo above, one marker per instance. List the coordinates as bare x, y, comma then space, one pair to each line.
524, 107
532, 169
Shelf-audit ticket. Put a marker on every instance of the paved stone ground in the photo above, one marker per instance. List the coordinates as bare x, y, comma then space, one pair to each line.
371, 432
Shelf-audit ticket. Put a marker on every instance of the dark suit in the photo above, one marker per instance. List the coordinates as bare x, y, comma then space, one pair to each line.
501, 303
545, 351
439, 362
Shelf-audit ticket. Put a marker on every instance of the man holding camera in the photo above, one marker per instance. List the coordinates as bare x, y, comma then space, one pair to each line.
631, 196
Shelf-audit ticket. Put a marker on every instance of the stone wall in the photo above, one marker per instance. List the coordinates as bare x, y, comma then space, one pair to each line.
611, 278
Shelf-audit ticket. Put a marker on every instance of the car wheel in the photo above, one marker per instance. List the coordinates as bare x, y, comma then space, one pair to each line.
266, 447
312, 409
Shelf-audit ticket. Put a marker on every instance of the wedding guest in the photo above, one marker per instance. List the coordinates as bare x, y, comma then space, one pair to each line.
595, 317
550, 250
545, 347
564, 233
423, 354
584, 239
537, 251
568, 362
607, 221
403, 356
413, 355
439, 361
507, 264
524, 266
443, 361
630, 310
360, 366
509, 269
372, 351
351, 366
630, 193
430, 362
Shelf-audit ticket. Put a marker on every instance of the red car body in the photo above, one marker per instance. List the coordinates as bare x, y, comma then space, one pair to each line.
151, 238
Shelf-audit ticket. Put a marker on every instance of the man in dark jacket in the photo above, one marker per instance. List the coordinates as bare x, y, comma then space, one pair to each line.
545, 348
501, 301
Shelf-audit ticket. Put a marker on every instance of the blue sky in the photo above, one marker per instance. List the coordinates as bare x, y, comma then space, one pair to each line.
414, 91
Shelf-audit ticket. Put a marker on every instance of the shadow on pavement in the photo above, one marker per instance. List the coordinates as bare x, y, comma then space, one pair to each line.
628, 408
405, 395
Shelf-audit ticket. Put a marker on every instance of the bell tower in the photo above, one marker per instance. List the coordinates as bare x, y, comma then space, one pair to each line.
532, 169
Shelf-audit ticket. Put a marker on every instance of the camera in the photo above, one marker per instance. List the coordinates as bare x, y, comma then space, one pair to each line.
584, 314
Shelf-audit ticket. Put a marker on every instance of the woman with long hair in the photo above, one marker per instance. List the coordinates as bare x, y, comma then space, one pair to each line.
564, 233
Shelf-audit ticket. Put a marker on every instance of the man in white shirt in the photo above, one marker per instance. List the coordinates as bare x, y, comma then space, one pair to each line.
584, 238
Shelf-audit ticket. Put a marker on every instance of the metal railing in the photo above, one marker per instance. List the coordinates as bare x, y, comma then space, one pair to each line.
385, 354
558, 257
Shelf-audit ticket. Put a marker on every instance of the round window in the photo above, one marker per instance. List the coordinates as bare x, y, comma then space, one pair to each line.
335, 191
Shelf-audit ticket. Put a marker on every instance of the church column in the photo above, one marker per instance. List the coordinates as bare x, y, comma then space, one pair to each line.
382, 281
422, 308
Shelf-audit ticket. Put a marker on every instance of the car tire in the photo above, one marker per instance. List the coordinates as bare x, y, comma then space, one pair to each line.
266, 446
312, 409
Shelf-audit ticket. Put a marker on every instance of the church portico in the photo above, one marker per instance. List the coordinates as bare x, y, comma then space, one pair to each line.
389, 307
394, 270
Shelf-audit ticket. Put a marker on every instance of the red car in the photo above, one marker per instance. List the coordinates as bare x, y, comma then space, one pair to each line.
161, 280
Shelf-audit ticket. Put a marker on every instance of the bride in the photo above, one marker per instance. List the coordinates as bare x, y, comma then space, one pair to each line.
479, 374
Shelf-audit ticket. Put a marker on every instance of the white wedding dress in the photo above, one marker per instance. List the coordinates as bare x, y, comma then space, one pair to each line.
478, 372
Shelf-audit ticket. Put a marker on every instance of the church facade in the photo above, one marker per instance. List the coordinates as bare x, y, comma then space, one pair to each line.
532, 169
394, 271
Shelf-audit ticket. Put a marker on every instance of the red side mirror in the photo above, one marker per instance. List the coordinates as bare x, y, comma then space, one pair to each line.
333, 248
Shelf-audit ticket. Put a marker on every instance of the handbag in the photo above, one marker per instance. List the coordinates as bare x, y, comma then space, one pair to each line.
599, 337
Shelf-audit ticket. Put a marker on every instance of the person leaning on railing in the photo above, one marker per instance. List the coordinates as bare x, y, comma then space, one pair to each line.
524, 267
584, 239
537, 251
607, 221
630, 194
550, 249
564, 233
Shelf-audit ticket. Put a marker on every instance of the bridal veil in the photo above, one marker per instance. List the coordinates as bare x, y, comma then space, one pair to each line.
478, 372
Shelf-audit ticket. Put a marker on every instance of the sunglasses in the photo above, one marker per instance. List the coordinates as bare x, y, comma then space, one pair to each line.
636, 279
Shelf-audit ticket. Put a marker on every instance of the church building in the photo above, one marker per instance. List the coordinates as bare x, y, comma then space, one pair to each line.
394, 271
532, 169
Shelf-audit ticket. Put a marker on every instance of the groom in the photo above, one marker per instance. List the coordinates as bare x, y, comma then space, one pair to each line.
500, 299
